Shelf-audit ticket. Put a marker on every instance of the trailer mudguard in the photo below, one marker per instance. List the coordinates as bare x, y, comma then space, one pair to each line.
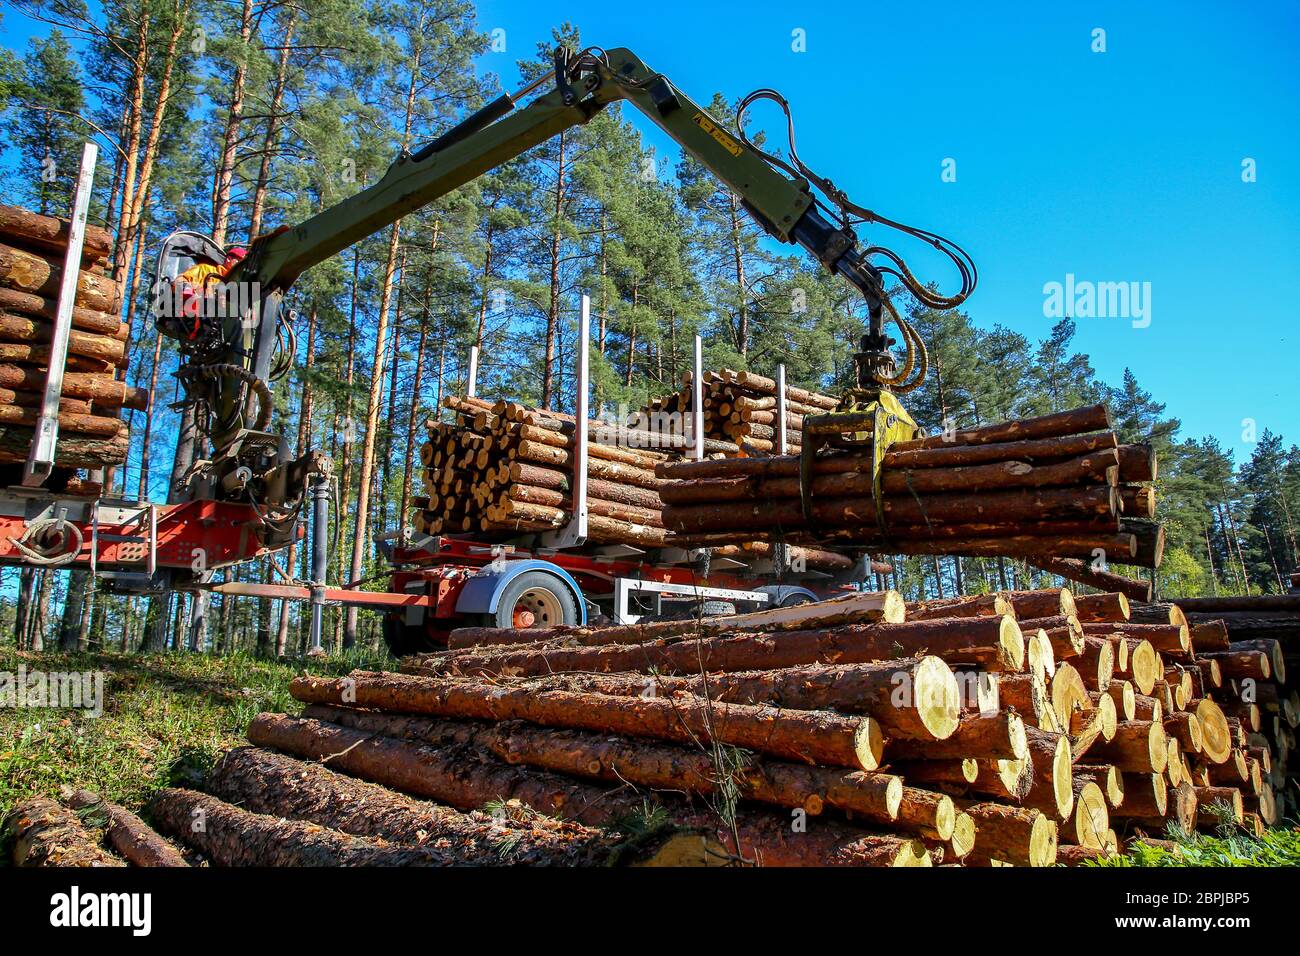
780, 593
482, 592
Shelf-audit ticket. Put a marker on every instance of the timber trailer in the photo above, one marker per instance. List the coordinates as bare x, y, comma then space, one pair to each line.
251, 497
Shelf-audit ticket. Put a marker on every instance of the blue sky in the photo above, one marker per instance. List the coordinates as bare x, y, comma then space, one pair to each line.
1117, 166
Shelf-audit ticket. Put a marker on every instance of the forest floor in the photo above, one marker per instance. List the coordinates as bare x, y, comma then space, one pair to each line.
166, 718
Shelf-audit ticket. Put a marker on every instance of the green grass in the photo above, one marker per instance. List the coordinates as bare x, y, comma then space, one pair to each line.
165, 719
1229, 846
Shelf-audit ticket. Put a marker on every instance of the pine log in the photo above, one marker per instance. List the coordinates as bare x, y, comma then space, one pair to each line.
1043, 450
1110, 606
234, 837
105, 348
129, 835
1089, 823
1216, 740
1100, 468
1216, 806
470, 779
37, 306
1242, 665
1106, 776
266, 782
73, 423
1072, 422
1016, 835
913, 699
1137, 747
995, 643
1146, 797
33, 274
1083, 572
1052, 787
999, 736
1209, 636
103, 390
624, 760
72, 452
1137, 463
855, 608
973, 605
50, 234
45, 833
801, 736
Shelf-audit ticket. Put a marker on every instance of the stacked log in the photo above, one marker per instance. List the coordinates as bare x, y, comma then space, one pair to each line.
91, 431
1248, 649
504, 469
741, 408
84, 830
1060, 485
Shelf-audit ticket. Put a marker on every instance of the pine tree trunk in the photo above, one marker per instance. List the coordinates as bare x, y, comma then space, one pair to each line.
553, 310
230, 142
377, 369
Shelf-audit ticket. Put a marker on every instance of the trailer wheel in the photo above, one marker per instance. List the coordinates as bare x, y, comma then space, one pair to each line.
534, 599
795, 600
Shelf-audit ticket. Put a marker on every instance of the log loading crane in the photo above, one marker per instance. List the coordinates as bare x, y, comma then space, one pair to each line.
242, 340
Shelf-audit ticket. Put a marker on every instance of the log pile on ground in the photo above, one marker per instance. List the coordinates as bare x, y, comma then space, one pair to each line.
82, 829
1058, 486
1253, 646
740, 408
1023, 729
92, 433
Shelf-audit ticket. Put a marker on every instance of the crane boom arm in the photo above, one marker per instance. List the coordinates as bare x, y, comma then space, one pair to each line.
585, 85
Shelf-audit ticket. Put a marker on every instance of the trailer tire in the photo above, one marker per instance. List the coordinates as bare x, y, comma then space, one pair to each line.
717, 609
548, 599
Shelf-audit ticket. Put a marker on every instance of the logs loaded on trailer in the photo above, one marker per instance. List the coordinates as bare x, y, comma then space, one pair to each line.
92, 433
740, 408
503, 470
1058, 486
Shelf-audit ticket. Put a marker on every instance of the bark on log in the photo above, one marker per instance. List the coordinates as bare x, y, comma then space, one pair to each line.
1016, 835
1072, 422
1137, 747
38, 306
129, 835
73, 451
801, 736
102, 390
265, 782
1052, 787
51, 234
995, 643
234, 837
665, 767
31, 273
1083, 572
915, 699
105, 348
994, 737
886, 606
46, 833
1110, 606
